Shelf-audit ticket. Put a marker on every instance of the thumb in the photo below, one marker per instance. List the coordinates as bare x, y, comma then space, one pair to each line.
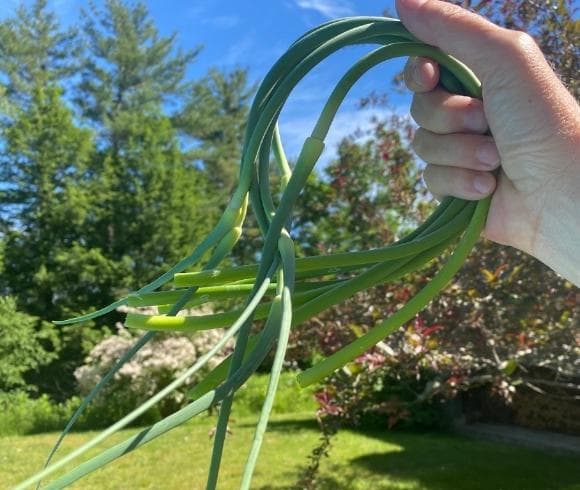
468, 37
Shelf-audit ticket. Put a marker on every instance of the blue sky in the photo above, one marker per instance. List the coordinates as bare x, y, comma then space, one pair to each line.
253, 35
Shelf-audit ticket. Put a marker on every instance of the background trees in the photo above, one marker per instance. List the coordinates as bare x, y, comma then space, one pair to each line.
142, 183
215, 117
113, 164
99, 189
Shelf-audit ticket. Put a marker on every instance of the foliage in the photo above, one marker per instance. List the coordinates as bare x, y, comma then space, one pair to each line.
147, 213
46, 160
24, 346
34, 52
157, 364
44, 167
214, 116
99, 192
22, 414
290, 398
363, 198
129, 68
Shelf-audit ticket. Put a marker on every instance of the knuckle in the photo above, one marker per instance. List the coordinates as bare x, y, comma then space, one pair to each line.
520, 45
471, 115
453, 12
525, 42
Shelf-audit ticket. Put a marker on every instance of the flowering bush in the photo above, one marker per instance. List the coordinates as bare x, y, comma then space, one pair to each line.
151, 369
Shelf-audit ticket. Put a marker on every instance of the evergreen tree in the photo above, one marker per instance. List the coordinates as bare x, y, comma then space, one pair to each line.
152, 207
48, 265
34, 52
46, 159
215, 117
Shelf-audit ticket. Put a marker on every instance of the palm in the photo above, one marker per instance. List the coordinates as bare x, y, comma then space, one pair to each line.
529, 182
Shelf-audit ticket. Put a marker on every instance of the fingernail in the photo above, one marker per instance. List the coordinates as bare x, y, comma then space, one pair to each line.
483, 184
488, 155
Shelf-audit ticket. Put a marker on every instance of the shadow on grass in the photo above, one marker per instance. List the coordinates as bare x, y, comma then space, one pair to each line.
441, 461
287, 425
437, 461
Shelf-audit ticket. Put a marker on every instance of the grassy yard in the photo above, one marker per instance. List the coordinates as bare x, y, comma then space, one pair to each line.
359, 460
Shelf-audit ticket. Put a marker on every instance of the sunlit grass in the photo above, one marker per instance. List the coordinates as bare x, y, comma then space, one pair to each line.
359, 460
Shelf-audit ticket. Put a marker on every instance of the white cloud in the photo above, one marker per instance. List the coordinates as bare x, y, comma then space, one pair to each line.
223, 21
240, 52
328, 8
346, 123
195, 11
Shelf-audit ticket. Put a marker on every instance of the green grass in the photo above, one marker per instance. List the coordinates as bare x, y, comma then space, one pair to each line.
359, 460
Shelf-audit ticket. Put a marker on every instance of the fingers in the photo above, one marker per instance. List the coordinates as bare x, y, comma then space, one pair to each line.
458, 32
421, 74
451, 138
437, 110
443, 113
458, 164
458, 182
471, 151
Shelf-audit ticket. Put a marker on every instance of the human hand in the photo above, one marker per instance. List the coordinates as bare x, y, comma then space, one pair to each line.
534, 122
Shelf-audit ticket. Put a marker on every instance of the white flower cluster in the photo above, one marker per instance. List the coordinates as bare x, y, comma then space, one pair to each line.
153, 367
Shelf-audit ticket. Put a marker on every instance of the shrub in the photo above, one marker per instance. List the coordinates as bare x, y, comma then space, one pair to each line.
21, 414
151, 369
25, 345
290, 398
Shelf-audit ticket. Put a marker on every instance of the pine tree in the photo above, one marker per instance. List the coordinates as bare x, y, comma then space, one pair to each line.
215, 117
152, 207
34, 52
47, 264
47, 159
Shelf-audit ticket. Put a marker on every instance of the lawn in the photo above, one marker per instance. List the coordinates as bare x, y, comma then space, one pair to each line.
359, 460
